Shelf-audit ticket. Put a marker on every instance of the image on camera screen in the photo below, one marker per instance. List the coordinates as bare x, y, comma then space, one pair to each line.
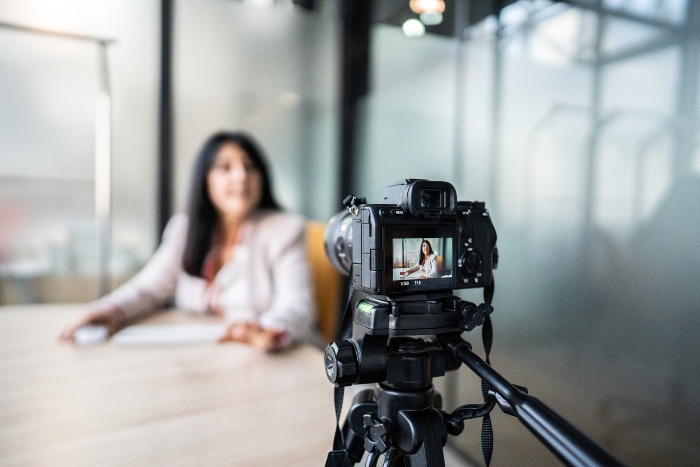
421, 258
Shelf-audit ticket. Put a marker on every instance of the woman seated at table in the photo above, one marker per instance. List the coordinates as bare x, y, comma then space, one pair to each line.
427, 262
235, 254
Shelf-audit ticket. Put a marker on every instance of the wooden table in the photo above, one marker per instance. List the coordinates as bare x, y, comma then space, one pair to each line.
201, 404
397, 276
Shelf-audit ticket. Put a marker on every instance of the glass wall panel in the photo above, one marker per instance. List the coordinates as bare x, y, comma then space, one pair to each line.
50, 78
268, 69
408, 126
47, 167
584, 165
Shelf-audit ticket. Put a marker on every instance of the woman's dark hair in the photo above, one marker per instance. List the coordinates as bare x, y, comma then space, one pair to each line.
421, 258
201, 213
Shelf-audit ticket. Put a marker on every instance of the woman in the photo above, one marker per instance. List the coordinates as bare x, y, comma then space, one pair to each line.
234, 254
427, 262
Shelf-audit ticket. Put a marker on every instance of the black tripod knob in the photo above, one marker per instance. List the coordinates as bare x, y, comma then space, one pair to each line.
377, 434
341, 363
472, 316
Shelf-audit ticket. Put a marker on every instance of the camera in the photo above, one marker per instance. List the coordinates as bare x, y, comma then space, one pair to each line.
419, 238
406, 255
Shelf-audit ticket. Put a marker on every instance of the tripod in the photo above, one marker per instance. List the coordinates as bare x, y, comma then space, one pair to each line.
401, 418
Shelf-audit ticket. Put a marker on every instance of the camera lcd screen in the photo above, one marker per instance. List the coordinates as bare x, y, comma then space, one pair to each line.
418, 259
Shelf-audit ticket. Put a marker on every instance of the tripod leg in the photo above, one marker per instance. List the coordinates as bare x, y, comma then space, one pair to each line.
392, 458
422, 434
372, 459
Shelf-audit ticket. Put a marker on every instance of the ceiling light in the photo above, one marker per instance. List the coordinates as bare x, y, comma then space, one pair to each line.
425, 6
413, 28
431, 18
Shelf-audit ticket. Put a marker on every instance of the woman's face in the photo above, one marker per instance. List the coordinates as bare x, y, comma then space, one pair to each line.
426, 248
234, 183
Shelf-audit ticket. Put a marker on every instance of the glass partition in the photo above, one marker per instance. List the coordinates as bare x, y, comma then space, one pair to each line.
269, 69
57, 59
266, 67
47, 168
578, 126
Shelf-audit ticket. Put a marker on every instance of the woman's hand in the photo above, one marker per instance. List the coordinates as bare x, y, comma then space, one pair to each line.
105, 315
251, 333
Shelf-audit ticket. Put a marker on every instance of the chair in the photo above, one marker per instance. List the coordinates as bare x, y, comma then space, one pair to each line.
326, 281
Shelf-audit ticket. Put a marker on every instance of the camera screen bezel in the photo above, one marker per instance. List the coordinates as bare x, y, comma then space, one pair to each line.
389, 233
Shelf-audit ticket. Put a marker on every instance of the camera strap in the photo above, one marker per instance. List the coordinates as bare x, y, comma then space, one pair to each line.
487, 339
339, 456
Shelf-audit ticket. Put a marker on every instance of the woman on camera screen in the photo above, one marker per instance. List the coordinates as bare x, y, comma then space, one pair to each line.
427, 262
234, 254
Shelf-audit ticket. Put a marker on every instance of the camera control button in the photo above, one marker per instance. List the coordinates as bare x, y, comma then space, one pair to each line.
470, 262
385, 212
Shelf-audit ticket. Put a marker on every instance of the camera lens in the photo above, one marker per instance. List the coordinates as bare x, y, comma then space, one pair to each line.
338, 241
430, 199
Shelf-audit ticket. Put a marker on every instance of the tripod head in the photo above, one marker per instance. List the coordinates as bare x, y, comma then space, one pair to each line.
391, 335
401, 345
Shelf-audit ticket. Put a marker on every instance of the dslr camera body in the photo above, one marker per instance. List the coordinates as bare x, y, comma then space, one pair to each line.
378, 243
408, 253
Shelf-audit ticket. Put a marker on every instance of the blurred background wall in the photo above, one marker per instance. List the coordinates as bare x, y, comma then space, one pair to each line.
264, 67
49, 84
576, 122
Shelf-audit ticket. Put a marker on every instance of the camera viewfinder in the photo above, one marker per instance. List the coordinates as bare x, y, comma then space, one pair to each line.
430, 199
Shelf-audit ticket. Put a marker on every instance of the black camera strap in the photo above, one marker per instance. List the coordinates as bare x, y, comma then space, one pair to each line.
487, 339
339, 456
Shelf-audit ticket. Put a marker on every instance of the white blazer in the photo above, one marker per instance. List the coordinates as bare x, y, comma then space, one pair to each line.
267, 280
430, 268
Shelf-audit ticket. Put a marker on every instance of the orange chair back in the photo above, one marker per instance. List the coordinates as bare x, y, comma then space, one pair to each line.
326, 280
